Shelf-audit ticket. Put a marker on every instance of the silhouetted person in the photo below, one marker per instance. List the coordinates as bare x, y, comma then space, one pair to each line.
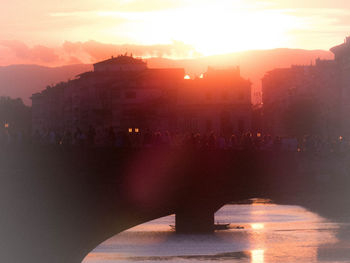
67, 138
203, 142
248, 141
212, 141
166, 138
277, 144
52, 137
157, 139
257, 141
91, 136
233, 142
267, 143
221, 142
191, 141
36, 138
147, 139
77, 137
2, 138
111, 137
58, 138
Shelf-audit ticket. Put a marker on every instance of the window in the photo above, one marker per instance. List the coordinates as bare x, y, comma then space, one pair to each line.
130, 95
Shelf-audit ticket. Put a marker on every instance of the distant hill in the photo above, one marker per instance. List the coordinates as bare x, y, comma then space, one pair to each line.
24, 80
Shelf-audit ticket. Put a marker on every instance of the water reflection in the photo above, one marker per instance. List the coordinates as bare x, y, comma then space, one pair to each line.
257, 256
270, 233
257, 226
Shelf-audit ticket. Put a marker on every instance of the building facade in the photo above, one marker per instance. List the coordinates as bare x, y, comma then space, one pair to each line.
123, 93
342, 65
220, 101
317, 95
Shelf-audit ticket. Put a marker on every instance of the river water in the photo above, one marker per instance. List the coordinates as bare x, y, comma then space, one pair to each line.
270, 233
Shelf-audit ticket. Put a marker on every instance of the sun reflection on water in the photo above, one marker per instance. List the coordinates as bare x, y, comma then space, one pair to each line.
257, 226
270, 233
257, 256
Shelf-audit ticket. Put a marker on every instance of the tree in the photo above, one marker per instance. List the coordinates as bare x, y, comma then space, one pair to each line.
15, 114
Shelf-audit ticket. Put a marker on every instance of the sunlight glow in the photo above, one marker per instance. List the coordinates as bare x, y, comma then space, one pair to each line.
150, 28
257, 226
187, 77
215, 28
258, 256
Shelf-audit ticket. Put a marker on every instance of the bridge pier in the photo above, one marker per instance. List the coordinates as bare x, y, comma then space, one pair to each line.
194, 221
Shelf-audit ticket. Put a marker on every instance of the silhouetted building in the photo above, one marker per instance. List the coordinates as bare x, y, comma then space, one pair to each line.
47, 109
219, 100
123, 93
342, 65
309, 99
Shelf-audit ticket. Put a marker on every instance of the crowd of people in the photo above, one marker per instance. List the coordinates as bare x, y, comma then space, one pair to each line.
134, 138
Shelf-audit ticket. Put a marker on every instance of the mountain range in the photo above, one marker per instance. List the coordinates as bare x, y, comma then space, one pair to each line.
24, 80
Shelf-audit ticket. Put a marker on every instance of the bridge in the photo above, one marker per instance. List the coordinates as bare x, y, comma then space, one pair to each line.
58, 204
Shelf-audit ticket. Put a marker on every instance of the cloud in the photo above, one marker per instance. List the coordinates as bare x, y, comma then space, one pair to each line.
96, 50
36, 54
17, 52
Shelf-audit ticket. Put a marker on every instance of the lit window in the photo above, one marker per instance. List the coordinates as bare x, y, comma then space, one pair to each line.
6, 125
137, 130
130, 130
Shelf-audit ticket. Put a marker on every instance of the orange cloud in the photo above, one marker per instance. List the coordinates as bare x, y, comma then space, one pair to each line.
17, 52
97, 51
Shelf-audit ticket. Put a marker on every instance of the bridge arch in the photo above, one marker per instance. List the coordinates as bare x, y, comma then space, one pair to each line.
60, 204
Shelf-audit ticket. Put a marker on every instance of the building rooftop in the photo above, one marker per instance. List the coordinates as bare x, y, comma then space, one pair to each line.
121, 59
342, 49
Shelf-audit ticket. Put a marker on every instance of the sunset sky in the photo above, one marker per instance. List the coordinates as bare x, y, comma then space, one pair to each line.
64, 31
